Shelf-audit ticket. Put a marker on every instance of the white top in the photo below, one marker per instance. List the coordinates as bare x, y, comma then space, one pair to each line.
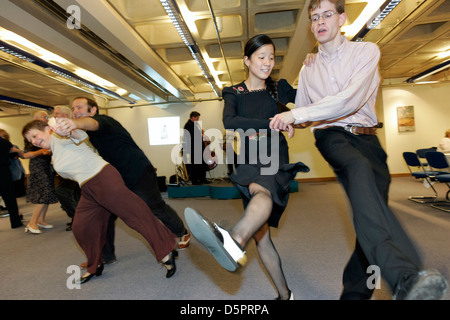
444, 145
75, 159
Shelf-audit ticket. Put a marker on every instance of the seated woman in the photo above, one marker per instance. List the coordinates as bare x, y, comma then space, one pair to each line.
103, 193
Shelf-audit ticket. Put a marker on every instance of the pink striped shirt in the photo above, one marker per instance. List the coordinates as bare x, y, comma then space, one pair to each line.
340, 88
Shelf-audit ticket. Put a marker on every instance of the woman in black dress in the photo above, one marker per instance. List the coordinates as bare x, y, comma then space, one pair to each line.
265, 191
41, 183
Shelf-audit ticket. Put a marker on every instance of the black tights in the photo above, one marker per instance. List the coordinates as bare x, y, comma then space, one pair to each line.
253, 224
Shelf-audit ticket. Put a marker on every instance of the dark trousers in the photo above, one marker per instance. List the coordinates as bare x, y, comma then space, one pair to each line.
106, 194
8, 195
68, 193
359, 163
196, 172
147, 189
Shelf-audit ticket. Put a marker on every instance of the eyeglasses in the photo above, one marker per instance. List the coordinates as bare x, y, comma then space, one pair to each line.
325, 15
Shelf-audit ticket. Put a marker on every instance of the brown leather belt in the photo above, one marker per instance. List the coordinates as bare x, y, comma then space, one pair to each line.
359, 130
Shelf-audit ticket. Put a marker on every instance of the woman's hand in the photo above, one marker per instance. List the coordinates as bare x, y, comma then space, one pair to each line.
309, 60
64, 126
281, 121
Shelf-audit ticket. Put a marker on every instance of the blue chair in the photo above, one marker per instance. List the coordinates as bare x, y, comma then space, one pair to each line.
438, 162
421, 153
417, 170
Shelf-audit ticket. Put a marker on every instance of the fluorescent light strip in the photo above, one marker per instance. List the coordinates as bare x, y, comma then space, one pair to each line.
16, 52
24, 103
429, 72
175, 16
389, 7
376, 19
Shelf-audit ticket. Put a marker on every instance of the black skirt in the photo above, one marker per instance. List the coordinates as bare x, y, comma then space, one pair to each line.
278, 184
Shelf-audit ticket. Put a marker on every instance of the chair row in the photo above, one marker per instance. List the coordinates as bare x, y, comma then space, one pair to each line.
436, 168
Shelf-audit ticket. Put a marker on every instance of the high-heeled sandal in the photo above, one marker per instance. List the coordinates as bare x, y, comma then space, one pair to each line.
97, 273
171, 263
32, 230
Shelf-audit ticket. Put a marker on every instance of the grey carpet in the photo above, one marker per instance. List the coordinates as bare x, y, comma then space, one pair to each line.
315, 239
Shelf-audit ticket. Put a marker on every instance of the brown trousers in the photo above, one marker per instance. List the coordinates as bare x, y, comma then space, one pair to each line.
106, 194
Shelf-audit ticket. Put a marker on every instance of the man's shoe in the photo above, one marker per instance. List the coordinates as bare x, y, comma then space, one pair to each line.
425, 285
228, 253
183, 242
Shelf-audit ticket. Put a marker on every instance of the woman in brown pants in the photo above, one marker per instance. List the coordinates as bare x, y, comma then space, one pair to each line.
103, 193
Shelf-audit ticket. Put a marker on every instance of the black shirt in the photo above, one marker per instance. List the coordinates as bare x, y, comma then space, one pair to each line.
5, 146
114, 144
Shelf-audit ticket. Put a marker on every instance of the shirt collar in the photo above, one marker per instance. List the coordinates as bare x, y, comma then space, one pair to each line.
337, 53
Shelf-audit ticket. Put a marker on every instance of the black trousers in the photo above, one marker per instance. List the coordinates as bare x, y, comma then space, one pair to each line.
196, 172
147, 189
68, 193
8, 195
359, 163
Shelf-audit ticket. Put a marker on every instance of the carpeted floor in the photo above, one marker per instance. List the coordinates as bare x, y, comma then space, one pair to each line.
314, 240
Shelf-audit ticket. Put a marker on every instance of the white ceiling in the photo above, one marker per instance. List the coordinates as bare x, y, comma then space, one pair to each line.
134, 45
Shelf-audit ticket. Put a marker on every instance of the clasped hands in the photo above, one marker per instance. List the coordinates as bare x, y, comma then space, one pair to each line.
62, 126
284, 122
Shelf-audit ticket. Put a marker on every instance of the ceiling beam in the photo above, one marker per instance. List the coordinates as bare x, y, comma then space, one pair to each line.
300, 45
102, 19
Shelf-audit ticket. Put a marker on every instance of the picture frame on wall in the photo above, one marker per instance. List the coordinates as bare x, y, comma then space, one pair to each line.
405, 119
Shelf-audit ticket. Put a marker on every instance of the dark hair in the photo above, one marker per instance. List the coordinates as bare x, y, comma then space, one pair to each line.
35, 124
5, 133
254, 44
194, 114
90, 102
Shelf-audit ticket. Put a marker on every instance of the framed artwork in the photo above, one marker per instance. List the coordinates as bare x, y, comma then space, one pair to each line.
405, 119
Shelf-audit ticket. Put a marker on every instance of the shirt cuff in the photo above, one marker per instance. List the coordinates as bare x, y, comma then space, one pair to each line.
300, 115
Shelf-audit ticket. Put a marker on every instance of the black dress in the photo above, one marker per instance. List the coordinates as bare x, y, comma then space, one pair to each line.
249, 113
41, 183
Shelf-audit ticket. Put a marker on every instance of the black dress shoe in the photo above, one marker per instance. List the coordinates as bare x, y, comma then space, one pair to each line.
425, 285
97, 273
171, 263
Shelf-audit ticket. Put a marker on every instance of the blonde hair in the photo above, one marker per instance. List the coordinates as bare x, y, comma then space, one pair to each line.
64, 110
40, 113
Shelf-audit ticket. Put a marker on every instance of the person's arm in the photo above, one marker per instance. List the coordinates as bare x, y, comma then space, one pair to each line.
15, 150
34, 154
66, 126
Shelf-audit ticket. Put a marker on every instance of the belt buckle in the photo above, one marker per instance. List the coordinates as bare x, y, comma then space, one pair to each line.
351, 128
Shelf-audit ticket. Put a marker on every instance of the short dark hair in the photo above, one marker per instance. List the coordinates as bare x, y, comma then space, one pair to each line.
194, 114
91, 103
35, 124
